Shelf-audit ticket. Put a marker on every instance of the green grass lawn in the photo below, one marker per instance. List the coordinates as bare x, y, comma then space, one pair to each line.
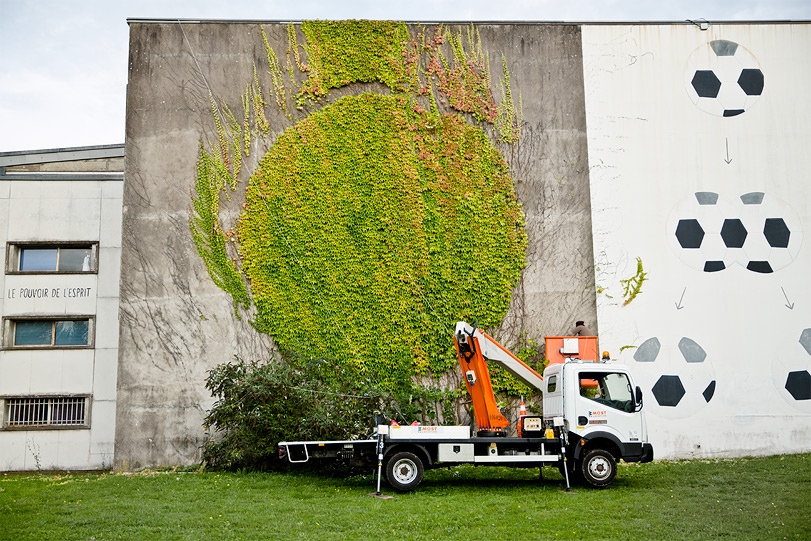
754, 498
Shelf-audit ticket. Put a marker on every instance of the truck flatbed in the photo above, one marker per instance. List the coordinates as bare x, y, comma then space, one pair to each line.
434, 444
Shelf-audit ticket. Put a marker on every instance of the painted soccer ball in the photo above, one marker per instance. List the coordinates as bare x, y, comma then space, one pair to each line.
710, 233
679, 379
791, 372
723, 78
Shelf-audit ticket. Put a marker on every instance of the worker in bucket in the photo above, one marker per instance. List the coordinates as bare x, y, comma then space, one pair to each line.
580, 329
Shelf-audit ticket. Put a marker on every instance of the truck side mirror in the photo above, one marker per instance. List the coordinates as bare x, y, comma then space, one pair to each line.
638, 398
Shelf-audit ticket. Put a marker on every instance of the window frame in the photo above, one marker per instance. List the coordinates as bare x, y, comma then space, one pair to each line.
584, 390
14, 251
9, 332
5, 412
552, 383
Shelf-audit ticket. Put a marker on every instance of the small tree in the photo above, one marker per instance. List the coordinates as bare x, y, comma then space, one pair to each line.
259, 404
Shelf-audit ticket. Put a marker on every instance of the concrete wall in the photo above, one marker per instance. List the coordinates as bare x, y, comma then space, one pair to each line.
54, 211
176, 324
658, 157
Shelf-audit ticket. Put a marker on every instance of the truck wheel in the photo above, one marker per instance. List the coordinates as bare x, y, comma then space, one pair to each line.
598, 468
404, 471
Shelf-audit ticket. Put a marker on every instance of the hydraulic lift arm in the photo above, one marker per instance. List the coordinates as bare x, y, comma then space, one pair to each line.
474, 349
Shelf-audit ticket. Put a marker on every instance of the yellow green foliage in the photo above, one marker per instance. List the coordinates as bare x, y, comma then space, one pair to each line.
207, 233
509, 119
366, 236
344, 52
374, 224
633, 285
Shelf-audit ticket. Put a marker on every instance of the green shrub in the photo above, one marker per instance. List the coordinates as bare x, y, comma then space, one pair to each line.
259, 404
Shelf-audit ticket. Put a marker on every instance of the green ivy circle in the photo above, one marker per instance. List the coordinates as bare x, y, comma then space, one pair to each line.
369, 229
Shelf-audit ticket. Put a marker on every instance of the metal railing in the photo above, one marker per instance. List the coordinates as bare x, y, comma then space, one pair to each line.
45, 411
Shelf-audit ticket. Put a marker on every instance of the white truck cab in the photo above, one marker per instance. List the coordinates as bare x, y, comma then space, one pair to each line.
602, 417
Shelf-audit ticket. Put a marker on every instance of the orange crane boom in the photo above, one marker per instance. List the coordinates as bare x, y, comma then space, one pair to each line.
474, 349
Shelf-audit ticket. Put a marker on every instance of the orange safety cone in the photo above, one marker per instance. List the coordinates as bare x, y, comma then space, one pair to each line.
522, 412
394, 423
415, 423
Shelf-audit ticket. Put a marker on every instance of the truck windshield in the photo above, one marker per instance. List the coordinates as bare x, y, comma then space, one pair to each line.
612, 390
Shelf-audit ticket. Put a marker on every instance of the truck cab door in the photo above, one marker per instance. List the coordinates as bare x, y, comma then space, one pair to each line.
606, 402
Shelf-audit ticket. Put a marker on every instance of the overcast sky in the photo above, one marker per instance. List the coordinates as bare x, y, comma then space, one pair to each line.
63, 63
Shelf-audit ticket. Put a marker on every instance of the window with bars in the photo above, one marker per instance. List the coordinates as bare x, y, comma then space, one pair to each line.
45, 412
44, 332
64, 258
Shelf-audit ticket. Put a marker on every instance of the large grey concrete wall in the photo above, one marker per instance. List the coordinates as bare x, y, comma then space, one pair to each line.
176, 324
550, 165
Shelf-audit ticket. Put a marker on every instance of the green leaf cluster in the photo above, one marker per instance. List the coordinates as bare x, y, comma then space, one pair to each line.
257, 405
206, 231
366, 236
509, 119
344, 52
633, 285
372, 225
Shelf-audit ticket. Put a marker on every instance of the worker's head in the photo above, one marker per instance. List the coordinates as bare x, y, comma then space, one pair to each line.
578, 323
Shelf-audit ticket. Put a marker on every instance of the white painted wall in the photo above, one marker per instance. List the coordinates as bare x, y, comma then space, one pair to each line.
64, 211
650, 150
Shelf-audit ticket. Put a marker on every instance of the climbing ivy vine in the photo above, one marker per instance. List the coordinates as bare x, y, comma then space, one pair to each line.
344, 52
365, 237
207, 234
373, 223
633, 285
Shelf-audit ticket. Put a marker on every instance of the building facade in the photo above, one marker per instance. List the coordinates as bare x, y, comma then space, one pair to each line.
60, 221
660, 168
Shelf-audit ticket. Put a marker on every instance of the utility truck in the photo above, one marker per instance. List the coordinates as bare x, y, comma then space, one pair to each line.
592, 418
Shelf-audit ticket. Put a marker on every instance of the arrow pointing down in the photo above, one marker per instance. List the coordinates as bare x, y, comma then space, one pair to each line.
789, 304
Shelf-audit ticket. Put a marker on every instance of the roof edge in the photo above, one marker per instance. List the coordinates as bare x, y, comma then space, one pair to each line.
468, 21
67, 154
